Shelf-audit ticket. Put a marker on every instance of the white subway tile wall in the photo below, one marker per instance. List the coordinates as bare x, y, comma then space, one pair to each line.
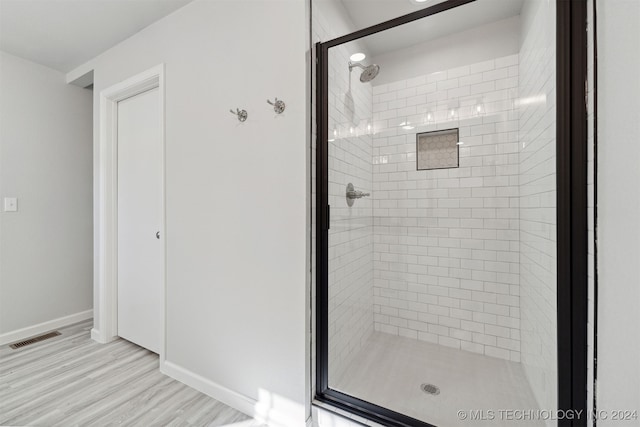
446, 241
537, 122
351, 229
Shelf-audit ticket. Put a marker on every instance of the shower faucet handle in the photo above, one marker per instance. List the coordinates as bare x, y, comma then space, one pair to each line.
351, 193
357, 194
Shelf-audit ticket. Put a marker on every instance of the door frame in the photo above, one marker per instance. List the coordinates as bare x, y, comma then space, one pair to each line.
571, 189
106, 314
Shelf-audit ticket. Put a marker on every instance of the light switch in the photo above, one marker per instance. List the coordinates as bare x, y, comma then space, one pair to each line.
10, 204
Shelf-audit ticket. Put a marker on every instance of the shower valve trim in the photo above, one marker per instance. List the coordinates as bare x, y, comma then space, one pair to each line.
353, 194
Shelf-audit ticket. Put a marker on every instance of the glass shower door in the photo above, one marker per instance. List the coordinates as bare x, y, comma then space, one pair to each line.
439, 181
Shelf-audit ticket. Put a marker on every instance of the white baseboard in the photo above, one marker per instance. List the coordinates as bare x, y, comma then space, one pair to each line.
99, 337
325, 415
30, 331
272, 412
237, 401
96, 335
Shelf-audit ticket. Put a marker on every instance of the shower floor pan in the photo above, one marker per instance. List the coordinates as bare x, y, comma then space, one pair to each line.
393, 371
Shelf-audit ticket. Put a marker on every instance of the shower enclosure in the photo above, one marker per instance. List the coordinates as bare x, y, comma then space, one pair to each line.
451, 216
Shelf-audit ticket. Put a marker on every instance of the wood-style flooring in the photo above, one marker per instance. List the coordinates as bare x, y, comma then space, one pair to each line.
71, 380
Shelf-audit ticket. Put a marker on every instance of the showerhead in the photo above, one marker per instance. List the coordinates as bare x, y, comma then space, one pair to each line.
368, 73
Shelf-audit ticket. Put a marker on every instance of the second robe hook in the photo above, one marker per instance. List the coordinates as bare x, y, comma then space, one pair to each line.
278, 106
242, 114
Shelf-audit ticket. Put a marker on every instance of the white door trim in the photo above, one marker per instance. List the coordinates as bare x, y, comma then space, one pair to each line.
106, 320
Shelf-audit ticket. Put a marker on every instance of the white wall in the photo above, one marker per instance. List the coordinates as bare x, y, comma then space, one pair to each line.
591, 204
618, 231
235, 196
45, 161
330, 20
478, 44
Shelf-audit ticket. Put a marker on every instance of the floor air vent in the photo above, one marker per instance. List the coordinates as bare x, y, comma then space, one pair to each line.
430, 389
34, 340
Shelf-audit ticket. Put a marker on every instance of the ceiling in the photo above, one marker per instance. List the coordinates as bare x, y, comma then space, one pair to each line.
365, 13
63, 34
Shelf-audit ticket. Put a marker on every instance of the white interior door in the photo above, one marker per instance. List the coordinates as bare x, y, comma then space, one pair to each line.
140, 204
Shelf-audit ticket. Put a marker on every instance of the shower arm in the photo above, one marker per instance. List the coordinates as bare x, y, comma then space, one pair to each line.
355, 64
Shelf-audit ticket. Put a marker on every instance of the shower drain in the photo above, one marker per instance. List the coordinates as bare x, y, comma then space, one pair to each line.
430, 389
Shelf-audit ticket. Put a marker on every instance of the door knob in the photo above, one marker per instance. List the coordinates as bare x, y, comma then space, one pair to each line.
157, 235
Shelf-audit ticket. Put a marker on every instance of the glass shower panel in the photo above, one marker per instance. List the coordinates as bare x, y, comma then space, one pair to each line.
441, 185
351, 232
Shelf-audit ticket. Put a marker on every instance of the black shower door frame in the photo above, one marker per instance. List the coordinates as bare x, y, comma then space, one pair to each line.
571, 182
